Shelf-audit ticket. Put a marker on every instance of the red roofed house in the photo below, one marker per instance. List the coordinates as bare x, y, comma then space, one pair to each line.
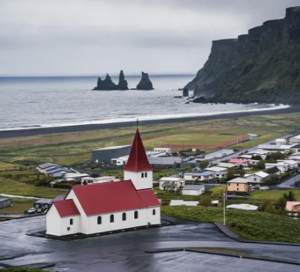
103, 207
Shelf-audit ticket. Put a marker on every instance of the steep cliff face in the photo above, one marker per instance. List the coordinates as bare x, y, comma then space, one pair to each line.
264, 66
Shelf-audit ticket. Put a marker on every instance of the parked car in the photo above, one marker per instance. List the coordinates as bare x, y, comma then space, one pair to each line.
264, 188
31, 210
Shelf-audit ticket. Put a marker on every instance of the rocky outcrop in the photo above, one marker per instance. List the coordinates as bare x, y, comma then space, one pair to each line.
262, 66
185, 92
106, 84
122, 85
145, 83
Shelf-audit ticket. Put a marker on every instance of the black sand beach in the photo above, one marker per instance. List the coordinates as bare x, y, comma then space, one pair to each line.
88, 127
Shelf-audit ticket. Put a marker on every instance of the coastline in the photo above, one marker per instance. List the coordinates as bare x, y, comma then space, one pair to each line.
87, 127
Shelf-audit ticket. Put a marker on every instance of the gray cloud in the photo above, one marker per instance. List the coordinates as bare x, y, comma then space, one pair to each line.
92, 36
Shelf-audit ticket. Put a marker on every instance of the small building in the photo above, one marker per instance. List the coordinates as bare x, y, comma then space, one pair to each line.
171, 184
5, 202
252, 137
273, 170
238, 162
282, 166
165, 162
295, 140
246, 207
281, 141
216, 169
90, 180
183, 203
194, 190
43, 203
292, 164
106, 154
275, 148
226, 165
238, 185
59, 197
158, 150
200, 176
292, 206
44, 167
257, 178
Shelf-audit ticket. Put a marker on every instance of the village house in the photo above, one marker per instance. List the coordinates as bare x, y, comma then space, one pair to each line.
171, 184
194, 190
43, 168
257, 178
110, 206
238, 162
240, 185
201, 176
282, 166
292, 208
220, 172
295, 140
292, 164
227, 165
90, 180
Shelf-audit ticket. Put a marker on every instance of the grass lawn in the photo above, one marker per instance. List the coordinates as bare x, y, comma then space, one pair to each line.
248, 224
273, 194
8, 186
19, 205
17, 173
173, 196
4, 165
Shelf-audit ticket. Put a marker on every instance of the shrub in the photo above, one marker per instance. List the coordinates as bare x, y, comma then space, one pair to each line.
205, 201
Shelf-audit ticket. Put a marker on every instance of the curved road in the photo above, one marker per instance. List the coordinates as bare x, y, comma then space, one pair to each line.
125, 251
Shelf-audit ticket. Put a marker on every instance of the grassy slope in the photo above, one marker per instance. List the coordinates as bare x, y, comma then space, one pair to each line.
8, 186
248, 224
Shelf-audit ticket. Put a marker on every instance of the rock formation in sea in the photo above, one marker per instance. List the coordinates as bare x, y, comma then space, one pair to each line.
145, 83
261, 66
106, 84
122, 85
185, 92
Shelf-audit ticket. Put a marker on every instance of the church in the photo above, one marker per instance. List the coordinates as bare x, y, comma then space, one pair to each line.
110, 206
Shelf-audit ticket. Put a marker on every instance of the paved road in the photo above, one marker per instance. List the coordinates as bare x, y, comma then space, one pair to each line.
290, 182
126, 251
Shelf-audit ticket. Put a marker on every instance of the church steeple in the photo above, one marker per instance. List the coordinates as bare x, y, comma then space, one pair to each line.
137, 161
137, 168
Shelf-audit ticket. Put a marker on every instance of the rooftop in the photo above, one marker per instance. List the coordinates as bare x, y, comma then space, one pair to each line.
193, 187
226, 165
238, 180
66, 207
112, 147
44, 201
199, 174
170, 179
183, 203
243, 207
296, 137
216, 169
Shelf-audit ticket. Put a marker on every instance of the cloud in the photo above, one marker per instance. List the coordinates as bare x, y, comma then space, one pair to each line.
74, 36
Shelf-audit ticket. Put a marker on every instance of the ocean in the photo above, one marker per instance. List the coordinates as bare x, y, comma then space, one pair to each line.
32, 102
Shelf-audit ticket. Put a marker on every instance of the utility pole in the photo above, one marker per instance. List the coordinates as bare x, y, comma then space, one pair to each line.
224, 207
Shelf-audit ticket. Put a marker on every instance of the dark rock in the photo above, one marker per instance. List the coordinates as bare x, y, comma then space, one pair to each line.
201, 100
122, 85
145, 83
262, 66
185, 92
106, 84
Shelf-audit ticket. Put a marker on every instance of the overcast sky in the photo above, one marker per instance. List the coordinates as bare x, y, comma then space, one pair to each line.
90, 37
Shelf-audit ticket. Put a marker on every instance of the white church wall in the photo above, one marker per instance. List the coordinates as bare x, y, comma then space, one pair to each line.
138, 181
84, 219
67, 228
143, 219
53, 222
154, 217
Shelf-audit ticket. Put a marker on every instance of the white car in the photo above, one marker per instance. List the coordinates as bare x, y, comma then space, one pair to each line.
264, 188
31, 210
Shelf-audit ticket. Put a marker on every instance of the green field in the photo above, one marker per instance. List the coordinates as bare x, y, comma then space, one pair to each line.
248, 224
19, 205
70, 148
9, 186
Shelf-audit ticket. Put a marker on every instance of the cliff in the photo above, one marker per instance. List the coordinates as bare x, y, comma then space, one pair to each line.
261, 66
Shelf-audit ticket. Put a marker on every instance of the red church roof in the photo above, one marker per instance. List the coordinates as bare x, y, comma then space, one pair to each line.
66, 207
137, 161
113, 197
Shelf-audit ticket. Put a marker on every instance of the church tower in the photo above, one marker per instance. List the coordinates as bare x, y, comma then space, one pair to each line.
137, 168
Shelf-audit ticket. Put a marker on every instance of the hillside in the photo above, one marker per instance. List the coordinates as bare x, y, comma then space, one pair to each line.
261, 66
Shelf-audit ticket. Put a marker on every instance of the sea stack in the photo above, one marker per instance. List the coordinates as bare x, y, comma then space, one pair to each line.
185, 92
145, 83
122, 85
106, 84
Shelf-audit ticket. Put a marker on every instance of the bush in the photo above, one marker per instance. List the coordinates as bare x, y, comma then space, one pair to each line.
205, 200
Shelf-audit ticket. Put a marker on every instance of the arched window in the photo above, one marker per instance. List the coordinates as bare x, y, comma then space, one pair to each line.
153, 211
124, 216
145, 175
136, 215
99, 220
142, 175
112, 218
71, 221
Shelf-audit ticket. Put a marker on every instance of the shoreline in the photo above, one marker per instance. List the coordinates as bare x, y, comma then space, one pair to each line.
88, 127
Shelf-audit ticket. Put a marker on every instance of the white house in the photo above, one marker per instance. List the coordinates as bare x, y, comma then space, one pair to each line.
105, 207
226, 165
292, 164
281, 141
257, 178
171, 183
201, 176
282, 166
220, 172
194, 190
90, 180
295, 140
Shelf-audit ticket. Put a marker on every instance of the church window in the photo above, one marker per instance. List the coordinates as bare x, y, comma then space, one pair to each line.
124, 216
71, 221
136, 215
142, 175
99, 220
153, 211
145, 175
112, 218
